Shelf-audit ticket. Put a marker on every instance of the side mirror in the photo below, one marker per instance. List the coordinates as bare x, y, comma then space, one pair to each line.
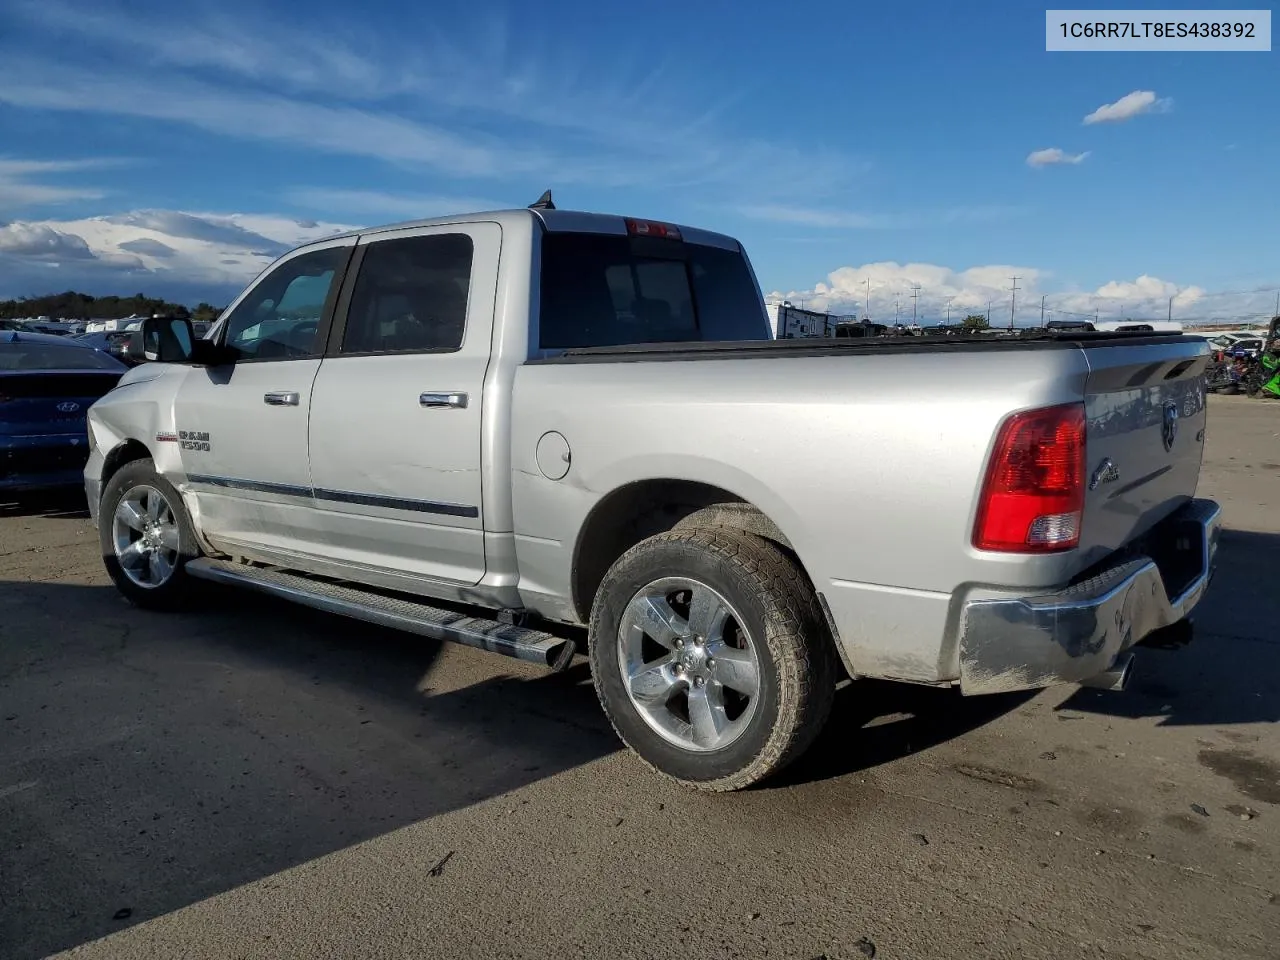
163, 340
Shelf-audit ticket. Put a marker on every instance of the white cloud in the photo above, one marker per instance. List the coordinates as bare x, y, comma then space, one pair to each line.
844, 219
255, 116
1130, 106
376, 204
845, 289
479, 104
152, 250
222, 42
41, 242
1054, 155
18, 190
811, 217
973, 289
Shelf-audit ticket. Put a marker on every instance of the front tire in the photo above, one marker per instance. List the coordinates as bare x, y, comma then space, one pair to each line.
711, 657
146, 537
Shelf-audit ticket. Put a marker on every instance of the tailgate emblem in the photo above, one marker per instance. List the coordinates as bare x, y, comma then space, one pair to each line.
1169, 429
1107, 472
68, 406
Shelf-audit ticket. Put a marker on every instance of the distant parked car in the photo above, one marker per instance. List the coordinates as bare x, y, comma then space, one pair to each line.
115, 342
1246, 348
47, 385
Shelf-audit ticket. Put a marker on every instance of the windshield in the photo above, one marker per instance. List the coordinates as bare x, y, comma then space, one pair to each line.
605, 291
52, 356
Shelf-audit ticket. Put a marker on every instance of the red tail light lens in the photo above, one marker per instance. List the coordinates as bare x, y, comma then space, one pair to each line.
651, 228
1033, 497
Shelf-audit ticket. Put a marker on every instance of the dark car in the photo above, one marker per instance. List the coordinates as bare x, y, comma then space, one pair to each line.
1245, 349
47, 385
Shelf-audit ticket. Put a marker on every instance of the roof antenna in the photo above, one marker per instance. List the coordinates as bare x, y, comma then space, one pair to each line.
543, 202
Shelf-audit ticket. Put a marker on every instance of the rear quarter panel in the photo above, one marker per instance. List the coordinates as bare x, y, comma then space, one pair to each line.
870, 466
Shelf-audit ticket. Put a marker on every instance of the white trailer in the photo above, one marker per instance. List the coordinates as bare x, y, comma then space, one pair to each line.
789, 321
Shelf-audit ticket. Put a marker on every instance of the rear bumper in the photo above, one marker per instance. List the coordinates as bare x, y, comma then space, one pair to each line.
1073, 635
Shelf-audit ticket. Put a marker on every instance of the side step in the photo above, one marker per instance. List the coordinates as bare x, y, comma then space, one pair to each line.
533, 646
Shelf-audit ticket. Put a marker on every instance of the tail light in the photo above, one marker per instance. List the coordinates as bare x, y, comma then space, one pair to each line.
651, 228
1033, 496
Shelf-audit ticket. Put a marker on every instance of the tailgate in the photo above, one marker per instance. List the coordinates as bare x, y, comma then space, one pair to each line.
1145, 405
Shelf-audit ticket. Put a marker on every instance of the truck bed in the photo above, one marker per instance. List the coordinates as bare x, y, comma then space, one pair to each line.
880, 346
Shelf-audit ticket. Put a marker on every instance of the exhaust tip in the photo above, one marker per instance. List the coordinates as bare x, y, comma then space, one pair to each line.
1116, 678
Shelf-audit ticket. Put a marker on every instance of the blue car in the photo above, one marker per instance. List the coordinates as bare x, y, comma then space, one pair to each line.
47, 385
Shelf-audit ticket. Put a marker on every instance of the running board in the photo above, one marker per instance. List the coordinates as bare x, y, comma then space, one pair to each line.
522, 643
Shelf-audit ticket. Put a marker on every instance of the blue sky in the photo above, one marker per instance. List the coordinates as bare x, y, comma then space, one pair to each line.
177, 147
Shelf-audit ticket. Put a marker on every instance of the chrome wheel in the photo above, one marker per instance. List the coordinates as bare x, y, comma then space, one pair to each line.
145, 534
688, 663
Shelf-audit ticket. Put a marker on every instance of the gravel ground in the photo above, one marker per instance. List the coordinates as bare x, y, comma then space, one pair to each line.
252, 779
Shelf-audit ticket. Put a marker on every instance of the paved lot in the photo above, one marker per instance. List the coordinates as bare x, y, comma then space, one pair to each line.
254, 780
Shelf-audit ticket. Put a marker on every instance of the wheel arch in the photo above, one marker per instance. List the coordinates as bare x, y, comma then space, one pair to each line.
640, 509
122, 454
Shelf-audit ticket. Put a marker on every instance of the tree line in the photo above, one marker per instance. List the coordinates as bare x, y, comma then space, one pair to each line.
72, 305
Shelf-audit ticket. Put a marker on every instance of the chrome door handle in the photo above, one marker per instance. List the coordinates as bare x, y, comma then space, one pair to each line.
281, 398
456, 400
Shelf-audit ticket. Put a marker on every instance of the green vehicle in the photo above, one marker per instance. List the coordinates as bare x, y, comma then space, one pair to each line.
1263, 380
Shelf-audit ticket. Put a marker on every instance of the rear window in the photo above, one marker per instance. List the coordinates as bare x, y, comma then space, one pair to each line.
51, 356
608, 291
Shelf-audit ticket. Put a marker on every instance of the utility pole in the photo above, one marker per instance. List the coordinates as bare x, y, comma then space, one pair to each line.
1042, 299
1013, 302
949, 299
867, 282
915, 296
896, 295
1171, 309
989, 302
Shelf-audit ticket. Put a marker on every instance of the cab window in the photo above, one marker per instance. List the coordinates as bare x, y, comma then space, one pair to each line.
280, 317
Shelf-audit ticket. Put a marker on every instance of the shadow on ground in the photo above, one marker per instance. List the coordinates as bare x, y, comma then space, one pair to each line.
1227, 674
63, 504
154, 760
150, 761
876, 722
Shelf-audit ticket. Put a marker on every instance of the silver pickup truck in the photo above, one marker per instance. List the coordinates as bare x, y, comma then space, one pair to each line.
501, 428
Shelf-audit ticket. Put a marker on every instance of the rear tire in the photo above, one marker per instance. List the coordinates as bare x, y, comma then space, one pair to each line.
711, 657
146, 537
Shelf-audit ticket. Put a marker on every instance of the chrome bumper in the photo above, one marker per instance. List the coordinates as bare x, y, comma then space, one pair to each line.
1023, 643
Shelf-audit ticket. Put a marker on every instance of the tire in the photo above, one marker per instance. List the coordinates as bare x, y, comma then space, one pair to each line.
173, 539
772, 624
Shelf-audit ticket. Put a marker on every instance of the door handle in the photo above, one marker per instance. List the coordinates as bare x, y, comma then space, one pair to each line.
456, 400
281, 398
